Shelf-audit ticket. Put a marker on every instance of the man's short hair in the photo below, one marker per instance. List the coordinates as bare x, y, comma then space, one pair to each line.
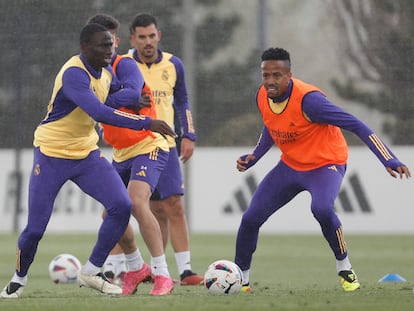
108, 21
89, 30
275, 54
142, 20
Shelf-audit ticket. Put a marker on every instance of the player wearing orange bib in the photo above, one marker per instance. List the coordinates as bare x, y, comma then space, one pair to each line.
139, 157
119, 137
305, 126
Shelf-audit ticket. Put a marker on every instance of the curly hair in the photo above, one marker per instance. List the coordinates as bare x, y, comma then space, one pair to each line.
108, 21
276, 54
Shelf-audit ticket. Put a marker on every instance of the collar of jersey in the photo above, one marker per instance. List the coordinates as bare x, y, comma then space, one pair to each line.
93, 72
285, 96
158, 60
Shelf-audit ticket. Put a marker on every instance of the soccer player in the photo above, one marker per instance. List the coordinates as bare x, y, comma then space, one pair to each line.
305, 126
65, 148
139, 157
164, 73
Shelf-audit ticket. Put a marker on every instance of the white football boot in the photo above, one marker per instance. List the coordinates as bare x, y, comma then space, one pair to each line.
100, 283
12, 290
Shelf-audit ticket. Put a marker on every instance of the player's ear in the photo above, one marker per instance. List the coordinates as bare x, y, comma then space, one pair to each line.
116, 41
159, 35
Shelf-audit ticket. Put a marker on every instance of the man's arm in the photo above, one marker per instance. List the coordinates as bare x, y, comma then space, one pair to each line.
319, 109
263, 145
183, 112
181, 104
76, 88
129, 82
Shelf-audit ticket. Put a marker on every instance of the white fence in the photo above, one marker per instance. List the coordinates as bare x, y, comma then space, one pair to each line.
370, 200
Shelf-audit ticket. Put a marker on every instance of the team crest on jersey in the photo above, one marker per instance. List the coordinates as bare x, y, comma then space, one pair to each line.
165, 75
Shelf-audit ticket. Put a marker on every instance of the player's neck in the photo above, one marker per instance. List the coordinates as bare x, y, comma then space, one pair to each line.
148, 60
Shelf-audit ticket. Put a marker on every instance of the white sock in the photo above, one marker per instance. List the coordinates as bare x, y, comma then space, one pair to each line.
183, 261
246, 276
343, 264
90, 268
19, 279
115, 263
134, 261
159, 266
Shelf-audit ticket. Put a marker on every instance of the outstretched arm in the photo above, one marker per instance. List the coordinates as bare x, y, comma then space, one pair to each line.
319, 109
76, 89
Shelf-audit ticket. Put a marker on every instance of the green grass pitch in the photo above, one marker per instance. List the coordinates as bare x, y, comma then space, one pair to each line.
290, 272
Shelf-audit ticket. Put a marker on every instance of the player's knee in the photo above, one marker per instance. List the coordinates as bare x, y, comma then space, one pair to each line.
125, 210
322, 215
157, 208
175, 201
120, 208
251, 222
174, 206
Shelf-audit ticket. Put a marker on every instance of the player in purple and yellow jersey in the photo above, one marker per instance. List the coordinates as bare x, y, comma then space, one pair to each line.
139, 157
164, 73
305, 126
66, 149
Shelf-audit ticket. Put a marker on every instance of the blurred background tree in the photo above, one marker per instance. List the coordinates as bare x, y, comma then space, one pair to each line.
378, 53
38, 36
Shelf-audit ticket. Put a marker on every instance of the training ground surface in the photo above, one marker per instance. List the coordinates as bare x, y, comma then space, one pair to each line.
290, 272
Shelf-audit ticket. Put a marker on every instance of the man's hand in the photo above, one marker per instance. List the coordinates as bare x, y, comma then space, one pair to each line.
245, 162
187, 149
144, 101
162, 127
402, 169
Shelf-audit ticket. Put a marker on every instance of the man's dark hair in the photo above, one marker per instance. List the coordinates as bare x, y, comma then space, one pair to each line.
89, 30
108, 21
276, 54
142, 20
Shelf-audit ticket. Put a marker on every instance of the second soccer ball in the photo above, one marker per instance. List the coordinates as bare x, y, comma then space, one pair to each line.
64, 268
223, 277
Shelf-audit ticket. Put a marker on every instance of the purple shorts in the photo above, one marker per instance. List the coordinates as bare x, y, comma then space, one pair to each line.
171, 179
145, 167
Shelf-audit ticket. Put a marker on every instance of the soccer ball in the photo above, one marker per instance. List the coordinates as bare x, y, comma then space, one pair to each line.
64, 269
223, 277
